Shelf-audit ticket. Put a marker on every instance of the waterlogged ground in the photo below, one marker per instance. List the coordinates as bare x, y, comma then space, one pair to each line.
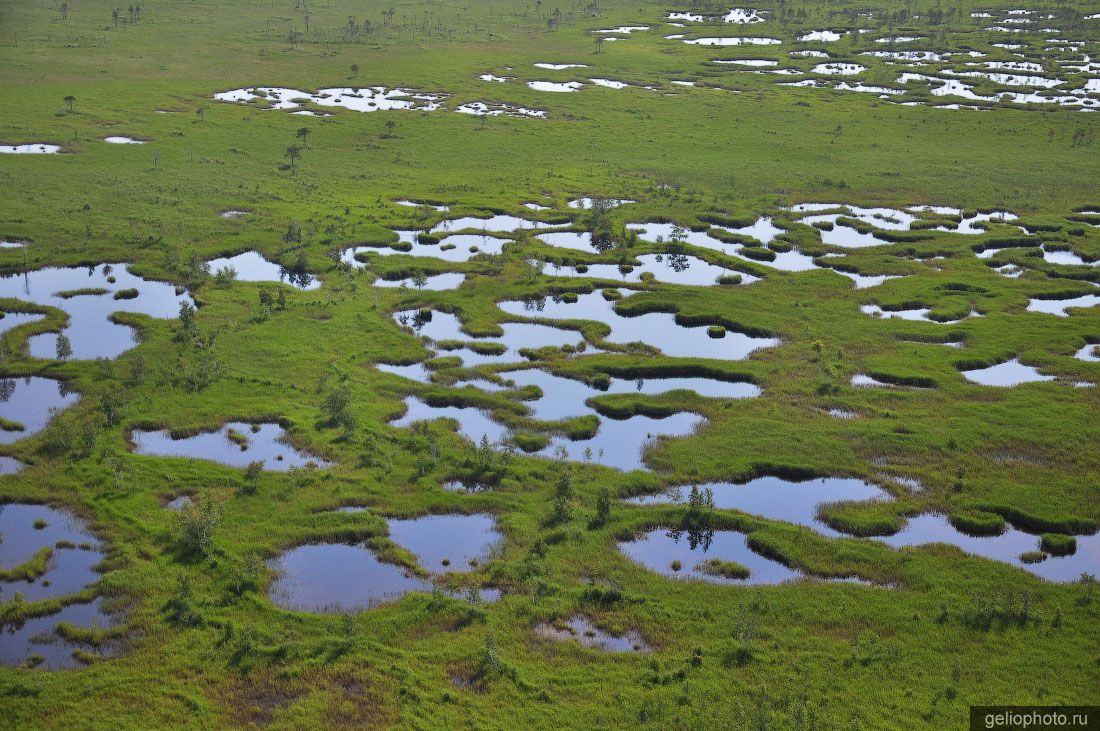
69, 554
521, 365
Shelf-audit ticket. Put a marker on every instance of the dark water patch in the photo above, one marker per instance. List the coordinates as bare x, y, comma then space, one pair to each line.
1008, 547
46, 553
776, 498
517, 336
564, 398
617, 443
434, 283
657, 329
336, 577
339, 577
12, 320
443, 543
763, 230
28, 403
622, 443
667, 268
493, 224
101, 291
27, 529
681, 555
260, 443
35, 642
251, 266
473, 423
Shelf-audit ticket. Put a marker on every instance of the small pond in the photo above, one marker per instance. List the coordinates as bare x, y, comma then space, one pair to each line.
75, 553
237, 444
27, 404
89, 296
777, 498
1009, 373
657, 329
251, 266
681, 555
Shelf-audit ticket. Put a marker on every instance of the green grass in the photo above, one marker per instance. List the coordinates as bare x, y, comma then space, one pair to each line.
203, 646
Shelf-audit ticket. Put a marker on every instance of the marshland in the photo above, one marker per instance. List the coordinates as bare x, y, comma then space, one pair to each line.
602, 364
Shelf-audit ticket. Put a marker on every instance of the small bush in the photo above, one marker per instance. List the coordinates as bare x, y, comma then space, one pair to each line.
1033, 556
612, 294
716, 331
126, 294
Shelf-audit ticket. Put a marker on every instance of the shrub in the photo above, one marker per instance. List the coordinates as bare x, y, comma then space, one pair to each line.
1033, 556
716, 331
196, 523
126, 294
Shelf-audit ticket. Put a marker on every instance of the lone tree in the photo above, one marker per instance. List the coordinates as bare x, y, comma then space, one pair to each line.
293, 152
303, 135
355, 71
70, 100
201, 111
64, 347
603, 508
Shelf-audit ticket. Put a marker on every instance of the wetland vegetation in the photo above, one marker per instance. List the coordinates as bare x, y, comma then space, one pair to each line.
603, 364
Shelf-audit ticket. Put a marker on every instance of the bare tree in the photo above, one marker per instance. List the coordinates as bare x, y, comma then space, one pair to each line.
70, 100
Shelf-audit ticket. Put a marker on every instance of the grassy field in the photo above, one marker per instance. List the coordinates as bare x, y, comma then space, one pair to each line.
923, 634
